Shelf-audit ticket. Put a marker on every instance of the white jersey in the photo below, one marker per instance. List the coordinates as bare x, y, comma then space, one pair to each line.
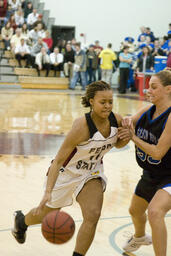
84, 163
87, 157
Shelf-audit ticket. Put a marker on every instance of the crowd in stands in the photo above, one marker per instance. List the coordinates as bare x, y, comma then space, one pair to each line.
25, 35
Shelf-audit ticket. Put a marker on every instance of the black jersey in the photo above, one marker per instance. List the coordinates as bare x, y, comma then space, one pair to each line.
150, 130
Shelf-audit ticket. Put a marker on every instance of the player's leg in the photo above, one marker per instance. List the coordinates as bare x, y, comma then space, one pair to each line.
22, 222
90, 199
158, 207
137, 210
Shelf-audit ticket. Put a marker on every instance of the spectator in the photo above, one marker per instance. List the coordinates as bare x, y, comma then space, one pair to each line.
32, 18
14, 4
40, 21
73, 43
56, 60
37, 48
149, 43
169, 31
145, 61
42, 61
25, 32
61, 45
6, 34
48, 40
143, 33
33, 35
142, 41
79, 68
92, 63
125, 61
19, 17
68, 61
98, 50
15, 39
3, 10
150, 33
129, 41
28, 9
168, 49
157, 50
22, 52
8, 13
40, 30
107, 57
169, 60
12, 21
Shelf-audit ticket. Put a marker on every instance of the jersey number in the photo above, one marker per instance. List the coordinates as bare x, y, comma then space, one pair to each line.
143, 157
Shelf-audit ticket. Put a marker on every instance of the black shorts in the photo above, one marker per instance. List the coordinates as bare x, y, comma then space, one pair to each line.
148, 185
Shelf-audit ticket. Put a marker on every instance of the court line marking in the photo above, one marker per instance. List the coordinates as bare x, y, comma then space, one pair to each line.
112, 236
80, 220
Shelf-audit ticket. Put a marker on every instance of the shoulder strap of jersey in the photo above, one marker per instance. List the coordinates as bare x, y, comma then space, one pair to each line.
112, 119
91, 125
146, 112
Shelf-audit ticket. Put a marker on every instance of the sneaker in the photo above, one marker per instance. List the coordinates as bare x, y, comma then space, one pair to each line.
18, 233
134, 243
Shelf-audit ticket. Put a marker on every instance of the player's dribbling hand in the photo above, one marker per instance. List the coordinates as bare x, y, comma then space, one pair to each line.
46, 198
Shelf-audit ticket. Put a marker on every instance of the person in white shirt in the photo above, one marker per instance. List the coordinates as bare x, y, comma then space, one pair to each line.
32, 18
33, 35
56, 60
42, 61
15, 39
22, 52
19, 17
14, 4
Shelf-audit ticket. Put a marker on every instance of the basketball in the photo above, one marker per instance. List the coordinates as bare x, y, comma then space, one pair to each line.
58, 227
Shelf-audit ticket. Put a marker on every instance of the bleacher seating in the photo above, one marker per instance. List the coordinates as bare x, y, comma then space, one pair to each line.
42, 83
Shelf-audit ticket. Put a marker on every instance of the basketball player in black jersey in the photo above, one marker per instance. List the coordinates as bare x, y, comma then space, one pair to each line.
78, 167
152, 138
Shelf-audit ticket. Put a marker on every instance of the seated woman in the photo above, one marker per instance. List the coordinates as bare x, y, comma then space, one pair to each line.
19, 17
145, 61
6, 34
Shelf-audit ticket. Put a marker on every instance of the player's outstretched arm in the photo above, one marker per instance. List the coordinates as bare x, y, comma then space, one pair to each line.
120, 142
128, 120
158, 151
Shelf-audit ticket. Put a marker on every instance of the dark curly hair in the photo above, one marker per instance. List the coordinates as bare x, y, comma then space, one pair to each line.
91, 91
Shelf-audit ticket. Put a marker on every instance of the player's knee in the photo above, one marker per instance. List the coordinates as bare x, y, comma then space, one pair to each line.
154, 214
92, 214
134, 211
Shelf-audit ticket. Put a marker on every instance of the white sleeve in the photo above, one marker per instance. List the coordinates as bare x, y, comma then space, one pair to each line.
52, 59
29, 18
60, 58
17, 49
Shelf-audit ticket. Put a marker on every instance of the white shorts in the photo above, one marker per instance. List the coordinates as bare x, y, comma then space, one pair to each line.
62, 195
168, 189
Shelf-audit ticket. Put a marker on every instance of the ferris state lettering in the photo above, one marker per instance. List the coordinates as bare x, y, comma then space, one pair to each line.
97, 157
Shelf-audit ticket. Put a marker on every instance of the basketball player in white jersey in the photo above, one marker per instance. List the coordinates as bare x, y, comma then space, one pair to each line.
78, 168
152, 138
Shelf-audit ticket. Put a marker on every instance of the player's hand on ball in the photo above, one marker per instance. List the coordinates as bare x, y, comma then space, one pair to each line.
46, 198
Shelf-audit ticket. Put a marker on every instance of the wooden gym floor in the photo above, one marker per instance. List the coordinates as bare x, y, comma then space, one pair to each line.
33, 125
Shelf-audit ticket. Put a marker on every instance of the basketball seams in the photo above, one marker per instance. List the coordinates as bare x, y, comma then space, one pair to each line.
54, 225
54, 233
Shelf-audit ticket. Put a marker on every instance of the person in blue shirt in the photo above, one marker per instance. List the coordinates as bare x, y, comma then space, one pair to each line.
125, 61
